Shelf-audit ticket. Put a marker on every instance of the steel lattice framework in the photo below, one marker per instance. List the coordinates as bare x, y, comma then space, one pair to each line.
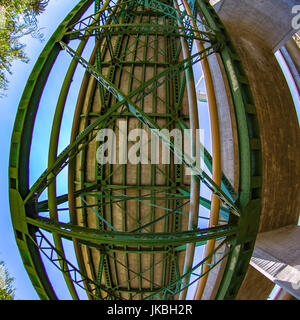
130, 236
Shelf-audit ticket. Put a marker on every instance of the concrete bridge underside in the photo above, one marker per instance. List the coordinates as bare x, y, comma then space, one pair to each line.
256, 36
135, 226
133, 271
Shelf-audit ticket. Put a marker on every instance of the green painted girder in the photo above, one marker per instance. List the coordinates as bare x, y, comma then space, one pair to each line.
19, 155
70, 231
43, 205
139, 275
60, 262
129, 114
143, 250
64, 157
179, 284
115, 51
52, 155
100, 273
143, 29
103, 265
170, 262
171, 212
156, 7
124, 63
93, 19
136, 291
249, 198
168, 10
225, 184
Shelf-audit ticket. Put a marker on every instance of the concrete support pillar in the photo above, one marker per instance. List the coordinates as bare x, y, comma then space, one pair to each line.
277, 257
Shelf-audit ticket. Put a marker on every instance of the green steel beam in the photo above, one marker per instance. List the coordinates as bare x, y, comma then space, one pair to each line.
225, 184
179, 284
52, 155
100, 168
43, 205
142, 29
60, 262
249, 199
19, 154
70, 231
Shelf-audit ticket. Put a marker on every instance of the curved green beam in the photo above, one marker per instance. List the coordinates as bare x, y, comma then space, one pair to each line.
250, 179
19, 155
53, 148
99, 237
70, 197
52, 156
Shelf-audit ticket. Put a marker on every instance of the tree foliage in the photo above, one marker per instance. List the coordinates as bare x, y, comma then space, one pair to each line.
7, 290
17, 19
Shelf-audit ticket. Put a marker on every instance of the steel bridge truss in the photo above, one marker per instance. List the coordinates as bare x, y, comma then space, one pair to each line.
113, 25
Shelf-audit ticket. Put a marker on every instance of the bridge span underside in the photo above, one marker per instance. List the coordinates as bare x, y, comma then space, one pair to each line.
135, 226
132, 197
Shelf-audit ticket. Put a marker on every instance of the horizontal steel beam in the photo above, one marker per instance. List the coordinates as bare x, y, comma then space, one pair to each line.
70, 231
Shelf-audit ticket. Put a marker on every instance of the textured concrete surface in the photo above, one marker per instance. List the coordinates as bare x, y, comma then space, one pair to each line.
282, 243
268, 20
255, 286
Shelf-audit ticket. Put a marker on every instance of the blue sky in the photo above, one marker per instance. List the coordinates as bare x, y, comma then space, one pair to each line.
54, 14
